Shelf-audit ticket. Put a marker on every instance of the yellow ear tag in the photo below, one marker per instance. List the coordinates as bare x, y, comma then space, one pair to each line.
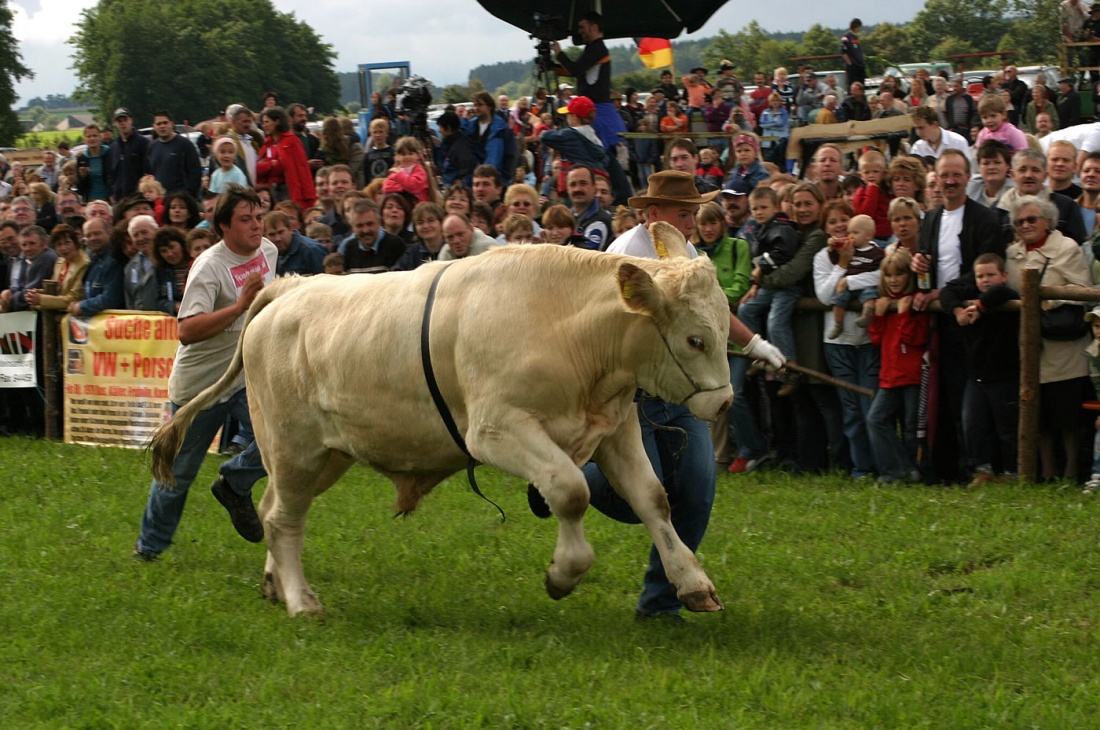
628, 291
662, 252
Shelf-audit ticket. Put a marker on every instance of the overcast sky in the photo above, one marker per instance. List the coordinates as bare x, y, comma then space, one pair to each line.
443, 39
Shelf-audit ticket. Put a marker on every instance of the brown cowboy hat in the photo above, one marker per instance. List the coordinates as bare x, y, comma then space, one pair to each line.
671, 186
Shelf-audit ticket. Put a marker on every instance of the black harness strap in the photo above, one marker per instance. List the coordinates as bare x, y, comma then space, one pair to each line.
437, 396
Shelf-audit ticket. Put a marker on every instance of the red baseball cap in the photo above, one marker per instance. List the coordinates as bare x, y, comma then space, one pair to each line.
581, 106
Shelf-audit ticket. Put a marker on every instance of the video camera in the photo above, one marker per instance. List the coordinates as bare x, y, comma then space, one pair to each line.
413, 99
544, 34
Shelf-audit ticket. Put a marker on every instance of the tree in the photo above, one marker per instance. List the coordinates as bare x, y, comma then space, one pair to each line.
886, 45
980, 22
11, 70
1034, 33
194, 57
819, 41
742, 49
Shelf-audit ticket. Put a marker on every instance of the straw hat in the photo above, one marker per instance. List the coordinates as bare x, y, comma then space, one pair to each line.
671, 186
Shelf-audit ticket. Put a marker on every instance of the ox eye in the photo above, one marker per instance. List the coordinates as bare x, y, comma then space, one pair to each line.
695, 343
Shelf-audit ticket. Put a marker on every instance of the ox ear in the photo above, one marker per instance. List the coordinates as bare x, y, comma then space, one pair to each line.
668, 241
638, 290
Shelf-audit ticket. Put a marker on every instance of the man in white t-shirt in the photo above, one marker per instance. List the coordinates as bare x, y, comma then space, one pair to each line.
221, 286
951, 237
933, 138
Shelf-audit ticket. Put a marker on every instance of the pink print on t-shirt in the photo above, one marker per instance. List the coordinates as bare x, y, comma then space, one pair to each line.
257, 264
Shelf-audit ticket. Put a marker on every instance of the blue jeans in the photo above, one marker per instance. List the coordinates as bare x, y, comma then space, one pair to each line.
165, 506
773, 308
895, 458
856, 364
684, 463
843, 298
750, 442
1096, 453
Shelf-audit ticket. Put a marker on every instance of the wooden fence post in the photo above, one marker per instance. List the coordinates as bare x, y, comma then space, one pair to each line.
51, 371
1031, 343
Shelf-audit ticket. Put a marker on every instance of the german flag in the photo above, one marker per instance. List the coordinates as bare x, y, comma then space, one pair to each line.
654, 52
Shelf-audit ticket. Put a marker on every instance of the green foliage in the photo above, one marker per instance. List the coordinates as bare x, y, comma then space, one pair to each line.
820, 41
891, 43
950, 46
1034, 30
981, 23
646, 80
847, 606
203, 55
454, 93
11, 71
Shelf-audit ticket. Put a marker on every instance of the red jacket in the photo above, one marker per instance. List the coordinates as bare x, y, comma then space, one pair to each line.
902, 340
284, 162
871, 200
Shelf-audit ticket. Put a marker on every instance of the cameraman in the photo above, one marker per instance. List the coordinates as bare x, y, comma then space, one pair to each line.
592, 70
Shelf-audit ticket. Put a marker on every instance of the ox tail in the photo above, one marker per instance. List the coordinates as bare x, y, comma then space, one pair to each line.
168, 439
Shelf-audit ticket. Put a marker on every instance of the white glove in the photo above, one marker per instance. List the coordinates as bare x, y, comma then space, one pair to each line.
760, 349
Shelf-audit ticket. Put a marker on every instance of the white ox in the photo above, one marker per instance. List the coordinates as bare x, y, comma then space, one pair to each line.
538, 352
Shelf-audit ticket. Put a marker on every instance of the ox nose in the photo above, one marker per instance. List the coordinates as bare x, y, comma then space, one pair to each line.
725, 407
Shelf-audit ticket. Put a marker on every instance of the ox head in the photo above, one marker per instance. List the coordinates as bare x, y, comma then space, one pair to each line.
690, 317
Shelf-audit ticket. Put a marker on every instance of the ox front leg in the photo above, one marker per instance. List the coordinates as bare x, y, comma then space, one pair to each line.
293, 482
623, 459
524, 449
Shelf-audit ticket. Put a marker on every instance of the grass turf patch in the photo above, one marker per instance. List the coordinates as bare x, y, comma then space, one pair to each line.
847, 606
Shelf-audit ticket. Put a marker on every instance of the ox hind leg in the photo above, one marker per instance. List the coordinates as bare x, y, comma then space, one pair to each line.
622, 458
294, 480
525, 450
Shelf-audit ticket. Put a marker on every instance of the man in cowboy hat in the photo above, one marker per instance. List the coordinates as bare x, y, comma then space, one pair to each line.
678, 444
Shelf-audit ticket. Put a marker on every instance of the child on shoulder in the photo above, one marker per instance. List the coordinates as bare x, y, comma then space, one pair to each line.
761, 308
874, 197
865, 259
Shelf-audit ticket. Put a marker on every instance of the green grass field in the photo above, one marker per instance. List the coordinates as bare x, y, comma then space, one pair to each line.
847, 606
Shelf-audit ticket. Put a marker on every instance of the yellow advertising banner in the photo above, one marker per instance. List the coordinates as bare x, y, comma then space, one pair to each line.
116, 376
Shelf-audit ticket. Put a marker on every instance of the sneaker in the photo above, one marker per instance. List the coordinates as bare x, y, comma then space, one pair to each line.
241, 510
538, 505
836, 331
981, 478
753, 464
232, 449
738, 465
1092, 485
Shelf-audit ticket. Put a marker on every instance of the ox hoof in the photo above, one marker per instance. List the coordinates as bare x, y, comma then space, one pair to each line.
701, 601
556, 590
307, 606
271, 589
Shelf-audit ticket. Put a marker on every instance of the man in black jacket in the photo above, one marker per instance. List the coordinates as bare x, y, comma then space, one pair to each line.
172, 159
951, 239
125, 157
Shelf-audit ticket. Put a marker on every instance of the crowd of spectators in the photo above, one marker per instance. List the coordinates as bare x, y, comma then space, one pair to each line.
982, 189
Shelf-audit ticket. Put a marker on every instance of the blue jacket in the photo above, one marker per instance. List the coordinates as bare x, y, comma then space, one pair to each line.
495, 139
752, 176
303, 256
102, 284
457, 157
